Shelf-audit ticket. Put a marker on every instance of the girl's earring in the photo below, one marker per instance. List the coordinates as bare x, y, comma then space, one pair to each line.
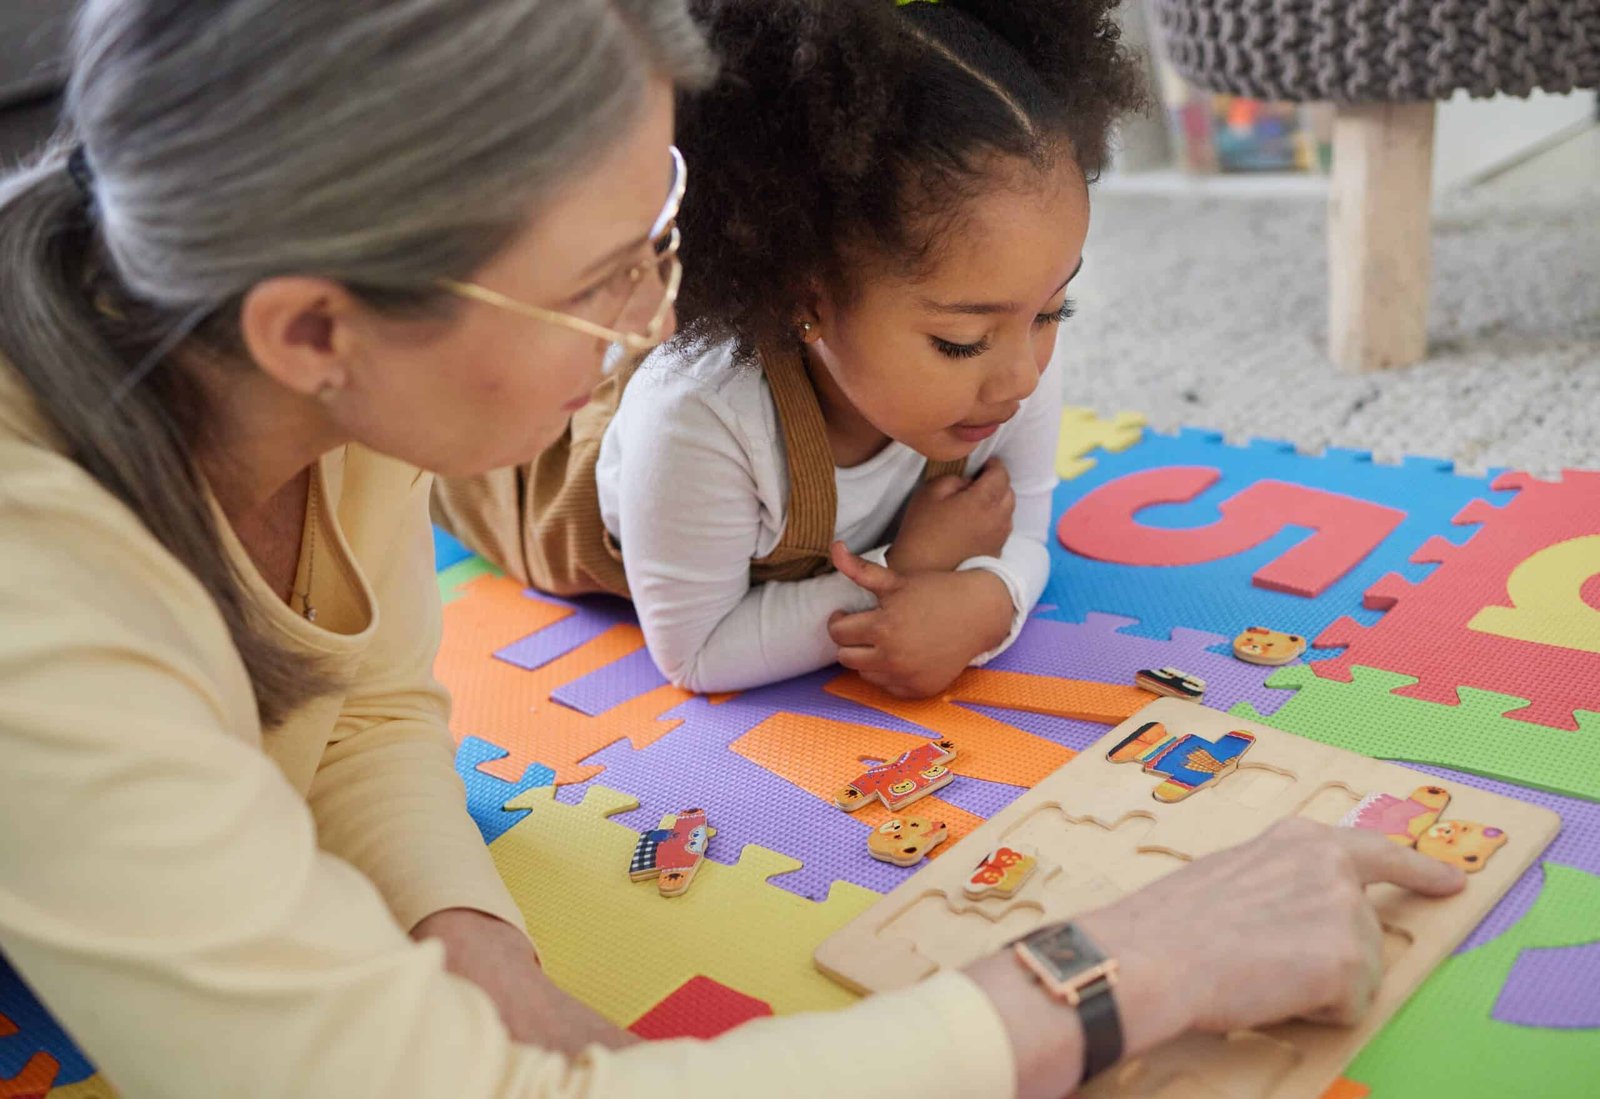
807, 331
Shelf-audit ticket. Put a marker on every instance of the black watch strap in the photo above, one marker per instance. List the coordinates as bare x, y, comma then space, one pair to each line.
1102, 1032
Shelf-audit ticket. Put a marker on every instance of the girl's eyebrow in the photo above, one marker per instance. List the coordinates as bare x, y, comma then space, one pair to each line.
986, 308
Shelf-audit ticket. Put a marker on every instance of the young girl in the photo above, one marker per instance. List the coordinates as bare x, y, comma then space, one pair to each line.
889, 205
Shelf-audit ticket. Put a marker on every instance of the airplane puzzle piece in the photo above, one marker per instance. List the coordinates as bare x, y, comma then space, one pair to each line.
916, 774
673, 852
1188, 762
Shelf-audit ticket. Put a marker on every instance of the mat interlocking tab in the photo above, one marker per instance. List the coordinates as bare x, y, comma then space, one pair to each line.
1512, 610
1555, 986
1375, 714
621, 947
1220, 596
1083, 431
510, 705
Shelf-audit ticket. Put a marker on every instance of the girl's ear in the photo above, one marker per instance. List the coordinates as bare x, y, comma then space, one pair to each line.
811, 316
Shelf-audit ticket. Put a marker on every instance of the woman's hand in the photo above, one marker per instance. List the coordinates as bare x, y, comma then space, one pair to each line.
951, 519
926, 628
499, 959
1289, 934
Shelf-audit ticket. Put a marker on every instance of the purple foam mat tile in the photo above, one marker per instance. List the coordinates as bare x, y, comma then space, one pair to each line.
1064, 731
612, 685
1577, 845
978, 796
1553, 987
1098, 649
591, 617
693, 766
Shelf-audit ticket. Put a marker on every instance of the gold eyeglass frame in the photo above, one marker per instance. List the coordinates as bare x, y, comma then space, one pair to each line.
666, 252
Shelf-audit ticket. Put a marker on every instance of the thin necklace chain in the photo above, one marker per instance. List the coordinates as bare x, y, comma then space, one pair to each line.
306, 608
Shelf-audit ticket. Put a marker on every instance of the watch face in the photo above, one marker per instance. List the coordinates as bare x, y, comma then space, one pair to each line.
1062, 951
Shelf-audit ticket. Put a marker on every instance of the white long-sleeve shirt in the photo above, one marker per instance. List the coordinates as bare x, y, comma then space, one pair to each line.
694, 483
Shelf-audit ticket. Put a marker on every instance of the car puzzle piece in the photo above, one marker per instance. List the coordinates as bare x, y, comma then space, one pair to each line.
916, 774
1002, 872
673, 852
1172, 683
905, 840
1259, 645
1402, 820
1189, 762
1414, 822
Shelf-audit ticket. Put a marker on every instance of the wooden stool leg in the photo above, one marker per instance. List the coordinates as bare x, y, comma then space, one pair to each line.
1380, 262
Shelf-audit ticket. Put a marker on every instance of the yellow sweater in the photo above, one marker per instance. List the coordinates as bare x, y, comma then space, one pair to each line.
210, 911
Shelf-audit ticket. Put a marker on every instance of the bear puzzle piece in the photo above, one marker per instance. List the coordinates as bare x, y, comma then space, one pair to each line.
1002, 872
1414, 822
1172, 683
1189, 762
1259, 645
1402, 820
673, 852
915, 774
1462, 843
905, 840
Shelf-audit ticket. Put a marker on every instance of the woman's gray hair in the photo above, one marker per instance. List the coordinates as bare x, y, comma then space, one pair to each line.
382, 143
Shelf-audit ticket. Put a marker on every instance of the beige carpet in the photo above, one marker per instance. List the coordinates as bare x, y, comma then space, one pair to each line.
1211, 312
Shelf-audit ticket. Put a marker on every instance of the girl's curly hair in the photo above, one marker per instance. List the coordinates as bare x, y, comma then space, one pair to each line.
842, 127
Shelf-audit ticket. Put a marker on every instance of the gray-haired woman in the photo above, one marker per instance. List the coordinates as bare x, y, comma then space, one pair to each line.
291, 254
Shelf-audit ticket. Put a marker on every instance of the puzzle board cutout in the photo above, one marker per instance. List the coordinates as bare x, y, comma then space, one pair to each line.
1100, 834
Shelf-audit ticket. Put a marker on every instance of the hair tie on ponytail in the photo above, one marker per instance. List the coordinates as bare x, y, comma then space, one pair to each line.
82, 175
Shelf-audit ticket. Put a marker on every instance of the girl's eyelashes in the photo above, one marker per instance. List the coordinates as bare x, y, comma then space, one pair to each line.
960, 350
971, 350
1059, 316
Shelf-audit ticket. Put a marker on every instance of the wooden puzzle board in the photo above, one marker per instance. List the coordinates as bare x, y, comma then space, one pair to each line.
1100, 834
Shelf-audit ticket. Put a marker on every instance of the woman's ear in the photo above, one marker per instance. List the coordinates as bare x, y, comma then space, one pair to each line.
301, 332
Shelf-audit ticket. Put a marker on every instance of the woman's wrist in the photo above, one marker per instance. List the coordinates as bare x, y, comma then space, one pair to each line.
1047, 1035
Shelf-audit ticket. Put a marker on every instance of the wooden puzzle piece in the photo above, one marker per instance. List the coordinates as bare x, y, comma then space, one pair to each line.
1259, 645
916, 774
673, 852
1002, 872
1414, 822
905, 840
1462, 843
1171, 683
1402, 820
1188, 762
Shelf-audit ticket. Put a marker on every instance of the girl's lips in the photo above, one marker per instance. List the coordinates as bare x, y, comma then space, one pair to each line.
970, 434
573, 406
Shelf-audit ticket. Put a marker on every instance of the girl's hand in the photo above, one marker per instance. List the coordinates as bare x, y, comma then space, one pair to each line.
1276, 928
951, 519
926, 629
499, 959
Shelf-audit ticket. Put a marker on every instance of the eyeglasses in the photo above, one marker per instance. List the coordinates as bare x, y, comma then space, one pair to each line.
628, 284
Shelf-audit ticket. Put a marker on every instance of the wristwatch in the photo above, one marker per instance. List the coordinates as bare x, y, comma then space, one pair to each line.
1074, 970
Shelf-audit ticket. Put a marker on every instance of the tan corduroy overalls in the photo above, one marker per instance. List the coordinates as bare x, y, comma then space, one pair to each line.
541, 521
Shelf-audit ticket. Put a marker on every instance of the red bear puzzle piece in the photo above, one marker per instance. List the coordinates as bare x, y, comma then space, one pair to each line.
1102, 526
699, 1008
1427, 631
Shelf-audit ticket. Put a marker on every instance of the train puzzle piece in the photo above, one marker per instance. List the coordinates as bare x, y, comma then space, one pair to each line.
1187, 762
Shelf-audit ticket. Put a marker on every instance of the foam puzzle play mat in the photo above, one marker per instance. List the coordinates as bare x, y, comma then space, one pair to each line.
1231, 634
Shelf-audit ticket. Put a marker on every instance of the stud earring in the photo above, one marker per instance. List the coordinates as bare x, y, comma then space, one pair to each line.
327, 392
